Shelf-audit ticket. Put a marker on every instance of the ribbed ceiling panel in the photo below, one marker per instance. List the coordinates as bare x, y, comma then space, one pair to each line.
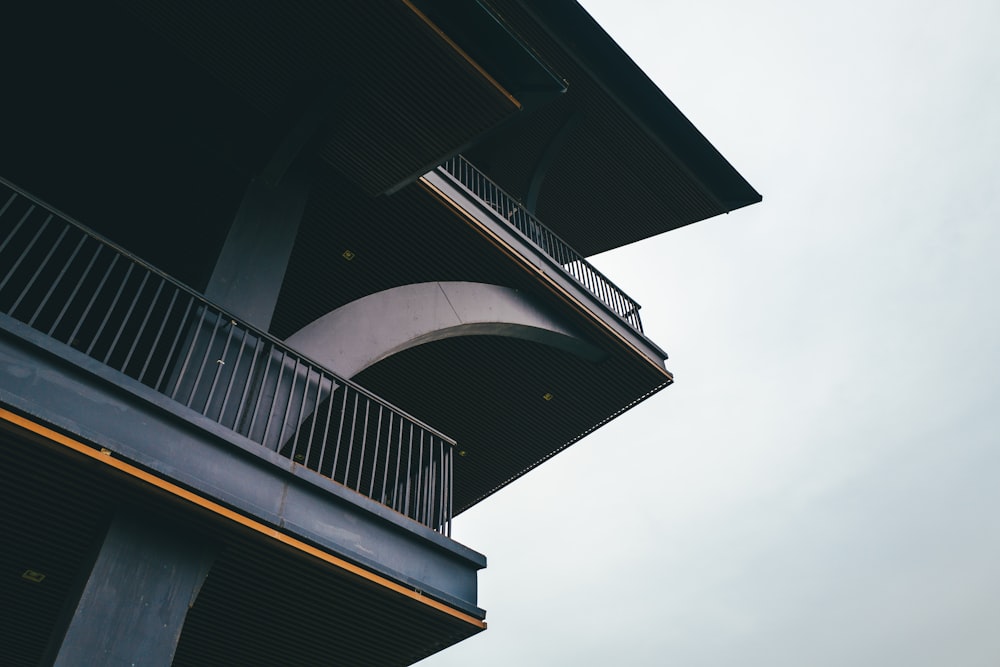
283, 611
45, 533
447, 383
418, 100
403, 98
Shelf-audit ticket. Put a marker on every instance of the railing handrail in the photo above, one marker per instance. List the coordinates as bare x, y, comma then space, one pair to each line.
200, 297
614, 298
62, 278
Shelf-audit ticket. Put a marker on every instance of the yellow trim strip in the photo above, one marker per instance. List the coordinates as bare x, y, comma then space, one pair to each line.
448, 40
513, 253
108, 460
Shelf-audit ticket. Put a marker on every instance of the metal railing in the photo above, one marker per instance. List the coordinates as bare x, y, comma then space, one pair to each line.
77, 288
545, 240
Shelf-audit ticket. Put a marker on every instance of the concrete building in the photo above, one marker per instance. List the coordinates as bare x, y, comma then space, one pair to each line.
286, 286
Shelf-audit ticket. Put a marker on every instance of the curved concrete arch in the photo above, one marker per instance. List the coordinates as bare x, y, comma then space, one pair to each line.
351, 338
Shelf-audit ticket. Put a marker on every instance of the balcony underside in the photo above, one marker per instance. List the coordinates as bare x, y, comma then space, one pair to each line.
413, 237
287, 531
260, 605
396, 96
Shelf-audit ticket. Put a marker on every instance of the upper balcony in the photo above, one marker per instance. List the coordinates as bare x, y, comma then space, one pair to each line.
624, 307
611, 299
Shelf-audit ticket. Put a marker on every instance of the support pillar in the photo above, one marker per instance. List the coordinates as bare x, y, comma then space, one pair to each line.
548, 156
134, 600
247, 278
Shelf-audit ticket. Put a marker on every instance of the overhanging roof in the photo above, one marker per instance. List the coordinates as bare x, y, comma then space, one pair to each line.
613, 159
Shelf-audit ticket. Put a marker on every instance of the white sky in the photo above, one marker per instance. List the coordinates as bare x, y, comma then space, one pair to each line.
821, 486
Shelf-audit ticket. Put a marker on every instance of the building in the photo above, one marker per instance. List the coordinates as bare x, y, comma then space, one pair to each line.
277, 302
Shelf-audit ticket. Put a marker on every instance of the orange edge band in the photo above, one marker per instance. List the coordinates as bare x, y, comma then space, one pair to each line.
448, 40
224, 512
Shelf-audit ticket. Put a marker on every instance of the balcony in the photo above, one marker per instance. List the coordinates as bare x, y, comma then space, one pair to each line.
63, 281
572, 263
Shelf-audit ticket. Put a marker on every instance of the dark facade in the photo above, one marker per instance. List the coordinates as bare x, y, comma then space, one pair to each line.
284, 287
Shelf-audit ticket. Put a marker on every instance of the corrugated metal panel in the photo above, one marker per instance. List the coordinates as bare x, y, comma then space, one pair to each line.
52, 517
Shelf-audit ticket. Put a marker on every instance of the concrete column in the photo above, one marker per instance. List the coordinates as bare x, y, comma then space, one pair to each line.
136, 596
248, 276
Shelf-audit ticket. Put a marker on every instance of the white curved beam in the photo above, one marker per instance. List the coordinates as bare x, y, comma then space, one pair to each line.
356, 335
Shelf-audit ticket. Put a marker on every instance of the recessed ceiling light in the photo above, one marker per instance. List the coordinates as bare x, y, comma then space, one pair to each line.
547, 396
348, 255
32, 576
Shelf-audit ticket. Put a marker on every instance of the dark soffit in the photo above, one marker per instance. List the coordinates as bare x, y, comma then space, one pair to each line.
398, 98
262, 604
631, 164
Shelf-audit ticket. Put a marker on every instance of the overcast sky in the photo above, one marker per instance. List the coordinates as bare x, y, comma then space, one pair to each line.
821, 485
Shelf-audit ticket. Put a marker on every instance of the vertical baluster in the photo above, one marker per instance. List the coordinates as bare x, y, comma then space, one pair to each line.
241, 406
27, 249
350, 442
266, 349
142, 325
450, 487
3, 211
41, 266
219, 363
605, 294
378, 437
326, 427
274, 398
111, 308
173, 345
430, 512
364, 441
76, 289
315, 417
288, 405
190, 350
439, 511
418, 479
422, 486
396, 485
204, 356
340, 432
409, 472
388, 453
233, 374
126, 317
302, 410
55, 283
